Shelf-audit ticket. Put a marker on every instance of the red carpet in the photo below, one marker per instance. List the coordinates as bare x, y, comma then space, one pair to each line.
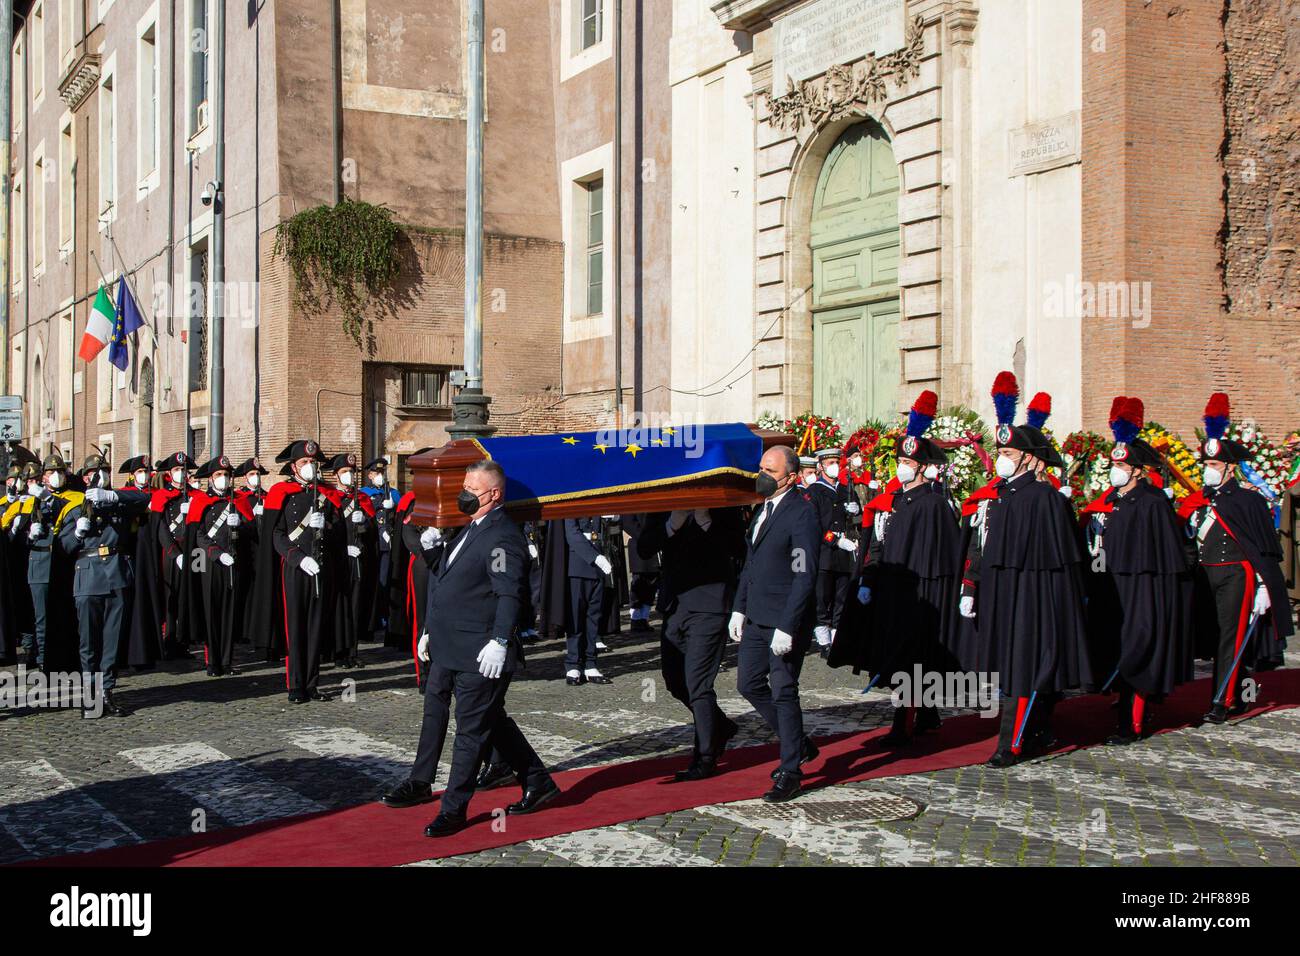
373, 835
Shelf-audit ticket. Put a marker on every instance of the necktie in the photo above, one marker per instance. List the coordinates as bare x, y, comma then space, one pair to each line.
767, 513
469, 529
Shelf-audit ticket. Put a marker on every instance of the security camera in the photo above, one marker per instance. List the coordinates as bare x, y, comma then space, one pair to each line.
209, 193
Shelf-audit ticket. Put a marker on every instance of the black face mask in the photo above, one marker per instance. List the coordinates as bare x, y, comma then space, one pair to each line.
467, 502
765, 484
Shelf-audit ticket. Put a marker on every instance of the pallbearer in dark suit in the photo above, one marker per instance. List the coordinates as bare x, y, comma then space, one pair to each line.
698, 555
303, 522
773, 614
1240, 589
471, 645
1139, 582
645, 569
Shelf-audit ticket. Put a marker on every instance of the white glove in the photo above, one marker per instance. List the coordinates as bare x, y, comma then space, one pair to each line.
180, 561
385, 536
532, 550
1169, 493
703, 518
782, 643
316, 520
83, 528
36, 530
226, 558
676, 520
429, 537
309, 567
358, 516
232, 519
1262, 601
185, 507
1066, 490
257, 510
491, 660
967, 605
101, 496
422, 651
603, 564
852, 507
864, 595
388, 502
736, 626
354, 551
846, 544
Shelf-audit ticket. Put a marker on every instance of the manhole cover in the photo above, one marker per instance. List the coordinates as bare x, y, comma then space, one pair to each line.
862, 807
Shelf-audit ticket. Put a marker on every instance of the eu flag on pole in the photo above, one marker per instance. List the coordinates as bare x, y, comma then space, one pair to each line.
128, 320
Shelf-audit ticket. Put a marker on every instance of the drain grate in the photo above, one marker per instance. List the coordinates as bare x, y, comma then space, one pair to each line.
862, 807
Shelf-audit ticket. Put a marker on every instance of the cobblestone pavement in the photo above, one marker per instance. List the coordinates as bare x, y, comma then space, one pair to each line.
229, 751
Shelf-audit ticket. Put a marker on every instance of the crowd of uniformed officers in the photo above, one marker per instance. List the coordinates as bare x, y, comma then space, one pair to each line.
1014, 584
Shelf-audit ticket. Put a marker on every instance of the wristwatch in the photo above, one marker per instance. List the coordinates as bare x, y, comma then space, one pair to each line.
503, 641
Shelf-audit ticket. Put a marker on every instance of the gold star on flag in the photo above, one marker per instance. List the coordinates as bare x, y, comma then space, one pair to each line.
657, 441
570, 440
600, 448
669, 431
633, 449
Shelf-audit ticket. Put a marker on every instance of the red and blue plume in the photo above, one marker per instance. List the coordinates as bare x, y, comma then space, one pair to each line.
1125, 419
1216, 415
922, 413
1006, 393
1040, 409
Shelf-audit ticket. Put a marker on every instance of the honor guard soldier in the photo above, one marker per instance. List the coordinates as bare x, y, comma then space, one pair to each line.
838, 562
355, 561
774, 611
1023, 580
645, 570
37, 523
904, 609
218, 520
14, 592
172, 504
535, 537
100, 534
588, 568
257, 617
1139, 582
1240, 590
304, 522
384, 499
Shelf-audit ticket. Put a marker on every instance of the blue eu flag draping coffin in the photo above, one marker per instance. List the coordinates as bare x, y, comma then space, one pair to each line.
570, 465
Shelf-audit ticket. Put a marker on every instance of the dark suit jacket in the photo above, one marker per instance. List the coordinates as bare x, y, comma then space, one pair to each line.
698, 566
582, 550
778, 583
478, 596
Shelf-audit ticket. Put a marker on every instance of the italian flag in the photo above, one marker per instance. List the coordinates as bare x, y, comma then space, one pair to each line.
99, 327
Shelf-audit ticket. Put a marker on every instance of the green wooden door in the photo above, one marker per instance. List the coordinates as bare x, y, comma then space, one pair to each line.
855, 249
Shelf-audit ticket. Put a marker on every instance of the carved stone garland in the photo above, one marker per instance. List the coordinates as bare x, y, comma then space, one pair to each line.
844, 88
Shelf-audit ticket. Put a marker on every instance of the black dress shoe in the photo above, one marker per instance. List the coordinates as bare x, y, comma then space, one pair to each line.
315, 694
533, 799
1217, 714
1003, 758
575, 681
927, 720
701, 769
297, 697
1121, 739
408, 793
597, 679
112, 707
1237, 709
494, 775
785, 787
444, 825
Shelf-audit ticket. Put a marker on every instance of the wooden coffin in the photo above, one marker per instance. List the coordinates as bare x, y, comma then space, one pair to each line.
439, 475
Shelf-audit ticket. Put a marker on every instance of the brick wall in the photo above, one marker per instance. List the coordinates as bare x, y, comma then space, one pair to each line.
1165, 203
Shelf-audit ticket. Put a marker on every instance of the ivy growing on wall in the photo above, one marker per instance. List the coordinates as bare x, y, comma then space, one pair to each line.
346, 255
